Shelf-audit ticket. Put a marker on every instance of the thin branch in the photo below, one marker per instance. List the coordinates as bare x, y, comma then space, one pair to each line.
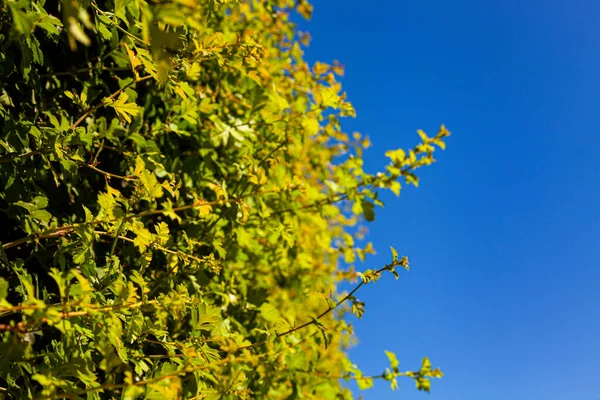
188, 369
80, 70
111, 175
326, 375
22, 326
260, 164
154, 246
11, 156
106, 14
314, 320
67, 229
112, 96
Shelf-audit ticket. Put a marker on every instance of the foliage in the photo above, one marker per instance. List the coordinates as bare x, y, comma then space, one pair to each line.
177, 199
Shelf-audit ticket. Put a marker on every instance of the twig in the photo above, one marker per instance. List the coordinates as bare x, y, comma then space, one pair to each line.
112, 96
111, 175
316, 319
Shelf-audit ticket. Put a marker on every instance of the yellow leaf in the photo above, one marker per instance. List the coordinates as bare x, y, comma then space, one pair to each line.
395, 187
139, 166
135, 62
124, 110
193, 73
204, 209
311, 125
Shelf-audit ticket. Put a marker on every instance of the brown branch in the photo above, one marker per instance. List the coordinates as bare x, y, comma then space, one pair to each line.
154, 246
91, 308
184, 371
111, 175
24, 325
66, 229
316, 319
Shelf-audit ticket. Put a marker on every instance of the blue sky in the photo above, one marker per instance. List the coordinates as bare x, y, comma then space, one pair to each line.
503, 233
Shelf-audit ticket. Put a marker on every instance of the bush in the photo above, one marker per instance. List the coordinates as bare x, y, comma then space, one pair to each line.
178, 197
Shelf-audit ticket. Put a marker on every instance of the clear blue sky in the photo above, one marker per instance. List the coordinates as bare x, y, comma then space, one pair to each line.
504, 232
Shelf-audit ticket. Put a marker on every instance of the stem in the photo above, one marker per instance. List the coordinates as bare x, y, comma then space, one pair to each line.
116, 25
22, 326
311, 322
112, 96
111, 175
11, 156
95, 161
66, 229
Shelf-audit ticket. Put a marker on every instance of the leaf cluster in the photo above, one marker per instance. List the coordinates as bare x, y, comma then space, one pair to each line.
177, 200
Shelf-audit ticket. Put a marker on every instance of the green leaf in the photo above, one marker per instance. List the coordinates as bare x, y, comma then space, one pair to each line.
49, 23
152, 189
162, 232
124, 110
269, 312
206, 317
23, 22
206, 106
368, 209
4, 293
120, 10
143, 237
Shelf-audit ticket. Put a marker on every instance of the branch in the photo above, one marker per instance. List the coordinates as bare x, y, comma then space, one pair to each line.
323, 314
22, 326
11, 156
112, 96
66, 229
111, 175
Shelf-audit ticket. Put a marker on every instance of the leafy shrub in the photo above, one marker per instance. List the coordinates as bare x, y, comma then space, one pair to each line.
177, 198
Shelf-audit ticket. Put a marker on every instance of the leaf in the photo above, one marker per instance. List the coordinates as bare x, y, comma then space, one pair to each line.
397, 156
394, 254
42, 215
40, 202
133, 59
206, 318
269, 312
152, 189
143, 237
368, 210
204, 210
124, 110
311, 125
364, 383
423, 136
393, 360
23, 22
140, 166
162, 232
102, 24
4, 293
395, 187
206, 106
77, 32
358, 307
49, 23
120, 10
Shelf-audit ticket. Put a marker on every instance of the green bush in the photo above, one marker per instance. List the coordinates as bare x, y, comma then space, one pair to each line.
177, 199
